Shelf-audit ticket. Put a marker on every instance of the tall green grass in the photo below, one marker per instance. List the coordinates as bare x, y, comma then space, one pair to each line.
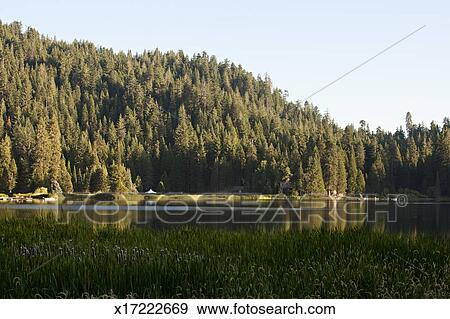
40, 258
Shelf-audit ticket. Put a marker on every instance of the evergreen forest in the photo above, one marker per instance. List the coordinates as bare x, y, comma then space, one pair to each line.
92, 119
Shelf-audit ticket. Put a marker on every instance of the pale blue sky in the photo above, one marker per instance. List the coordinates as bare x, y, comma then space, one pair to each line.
302, 45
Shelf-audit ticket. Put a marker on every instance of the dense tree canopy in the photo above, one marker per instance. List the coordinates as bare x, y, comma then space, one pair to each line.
95, 120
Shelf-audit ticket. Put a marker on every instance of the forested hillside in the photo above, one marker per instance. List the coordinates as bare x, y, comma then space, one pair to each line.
93, 120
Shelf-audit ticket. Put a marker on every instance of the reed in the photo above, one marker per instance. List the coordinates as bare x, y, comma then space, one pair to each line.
40, 258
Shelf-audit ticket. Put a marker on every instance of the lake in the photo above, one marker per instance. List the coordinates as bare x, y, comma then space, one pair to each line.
388, 216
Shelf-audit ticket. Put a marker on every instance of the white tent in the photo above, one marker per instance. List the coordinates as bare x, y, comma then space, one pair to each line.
150, 191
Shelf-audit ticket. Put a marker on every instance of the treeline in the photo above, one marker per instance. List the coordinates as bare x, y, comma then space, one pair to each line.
95, 120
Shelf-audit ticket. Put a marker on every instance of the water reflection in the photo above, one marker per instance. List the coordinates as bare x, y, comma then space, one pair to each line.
420, 217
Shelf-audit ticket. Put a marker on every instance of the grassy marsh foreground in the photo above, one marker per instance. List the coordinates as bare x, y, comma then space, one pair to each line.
39, 258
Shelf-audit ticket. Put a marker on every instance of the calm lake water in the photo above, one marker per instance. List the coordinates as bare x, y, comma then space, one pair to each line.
384, 216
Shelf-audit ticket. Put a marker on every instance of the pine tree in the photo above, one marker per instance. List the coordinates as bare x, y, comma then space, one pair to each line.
314, 180
300, 181
360, 183
352, 175
376, 176
360, 156
2, 111
331, 167
12, 175
412, 158
162, 183
74, 178
41, 156
80, 181
8, 168
185, 142
395, 166
409, 123
65, 180
263, 178
99, 180
342, 173
54, 140
443, 156
120, 179
412, 153
138, 184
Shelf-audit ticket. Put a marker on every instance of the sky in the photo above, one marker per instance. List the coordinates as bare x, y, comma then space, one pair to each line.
301, 45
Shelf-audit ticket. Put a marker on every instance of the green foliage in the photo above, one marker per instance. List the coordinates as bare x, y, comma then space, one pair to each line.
314, 179
99, 180
120, 179
342, 173
360, 183
376, 176
41, 190
8, 168
352, 175
43, 259
189, 124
